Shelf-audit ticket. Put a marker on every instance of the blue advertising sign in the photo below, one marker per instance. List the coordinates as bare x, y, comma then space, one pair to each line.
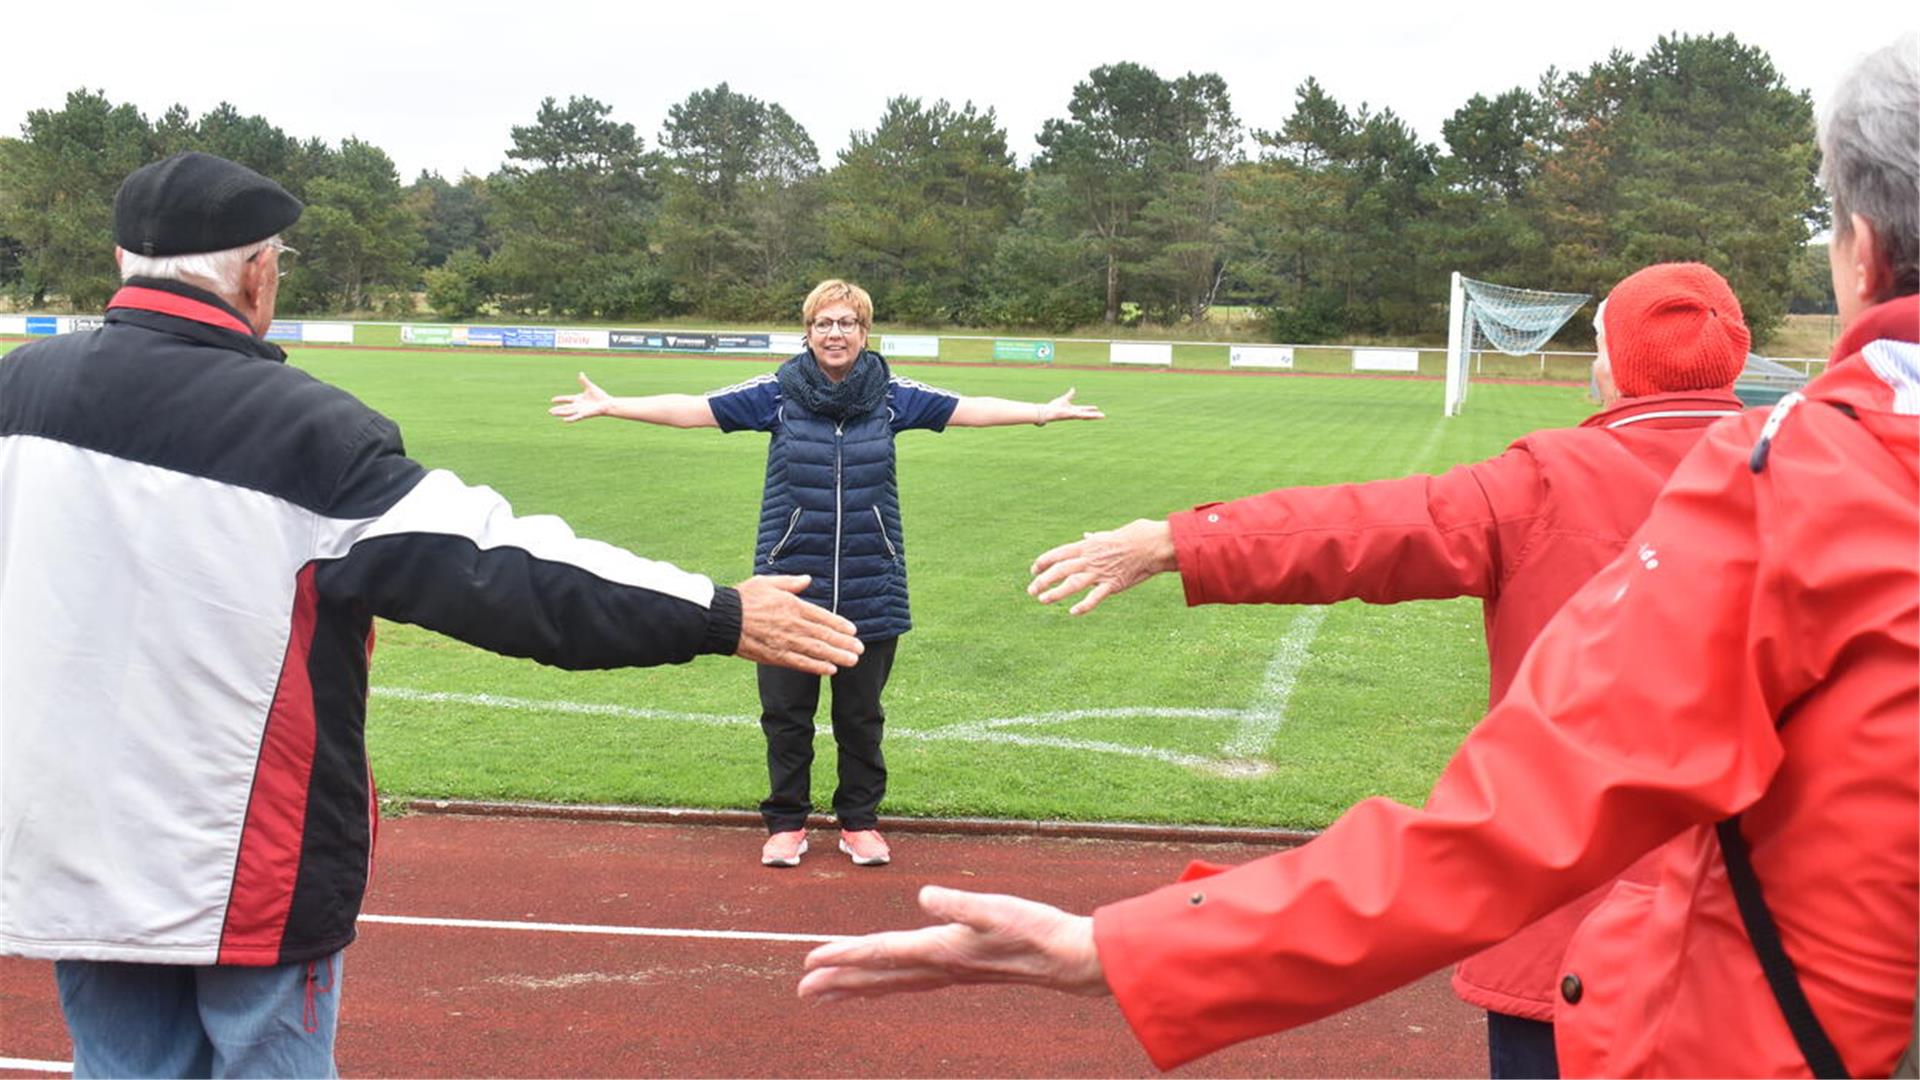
43, 324
528, 337
284, 331
748, 342
487, 337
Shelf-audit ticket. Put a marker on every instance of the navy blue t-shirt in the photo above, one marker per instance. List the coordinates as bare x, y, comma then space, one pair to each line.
754, 405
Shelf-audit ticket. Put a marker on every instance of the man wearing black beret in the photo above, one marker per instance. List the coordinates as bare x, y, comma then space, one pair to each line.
194, 541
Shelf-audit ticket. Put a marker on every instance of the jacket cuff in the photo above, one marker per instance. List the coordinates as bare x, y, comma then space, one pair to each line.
723, 622
1188, 528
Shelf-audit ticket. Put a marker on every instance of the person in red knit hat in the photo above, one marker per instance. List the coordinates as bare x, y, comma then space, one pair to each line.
1669, 328
1522, 531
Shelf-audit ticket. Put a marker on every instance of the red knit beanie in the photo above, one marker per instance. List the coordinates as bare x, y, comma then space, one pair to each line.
1674, 326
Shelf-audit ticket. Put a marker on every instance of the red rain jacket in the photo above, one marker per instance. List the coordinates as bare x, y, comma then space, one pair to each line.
1523, 531
1756, 651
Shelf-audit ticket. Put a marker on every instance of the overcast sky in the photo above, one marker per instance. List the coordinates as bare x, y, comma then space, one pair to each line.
438, 86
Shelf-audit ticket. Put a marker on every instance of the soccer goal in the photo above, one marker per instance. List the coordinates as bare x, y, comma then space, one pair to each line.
1482, 316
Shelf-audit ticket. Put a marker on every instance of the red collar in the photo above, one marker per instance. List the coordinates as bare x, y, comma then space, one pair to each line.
141, 298
1699, 406
1895, 320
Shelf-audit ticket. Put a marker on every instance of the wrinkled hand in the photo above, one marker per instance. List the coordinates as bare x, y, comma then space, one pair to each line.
1063, 408
777, 627
590, 401
985, 939
1103, 563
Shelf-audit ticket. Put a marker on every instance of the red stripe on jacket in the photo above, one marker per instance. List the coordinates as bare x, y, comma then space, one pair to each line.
269, 862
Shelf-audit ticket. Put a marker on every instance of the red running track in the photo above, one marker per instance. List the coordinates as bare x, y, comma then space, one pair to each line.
426, 1000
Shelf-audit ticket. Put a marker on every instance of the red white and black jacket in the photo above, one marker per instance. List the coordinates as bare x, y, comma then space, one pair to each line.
194, 541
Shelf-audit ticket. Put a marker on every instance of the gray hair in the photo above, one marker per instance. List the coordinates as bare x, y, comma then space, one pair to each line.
216, 271
1870, 155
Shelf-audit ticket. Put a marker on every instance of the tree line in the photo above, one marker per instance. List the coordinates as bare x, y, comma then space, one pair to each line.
1147, 200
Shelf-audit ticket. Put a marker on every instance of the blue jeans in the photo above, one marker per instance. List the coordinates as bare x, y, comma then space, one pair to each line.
167, 1020
1520, 1049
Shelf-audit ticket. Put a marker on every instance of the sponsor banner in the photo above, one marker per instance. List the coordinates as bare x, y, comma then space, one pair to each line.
484, 337
910, 345
580, 339
13, 324
1141, 352
1041, 351
40, 325
786, 344
327, 333
1268, 356
283, 331
527, 337
740, 343
82, 323
660, 340
1386, 360
426, 335
635, 339
688, 342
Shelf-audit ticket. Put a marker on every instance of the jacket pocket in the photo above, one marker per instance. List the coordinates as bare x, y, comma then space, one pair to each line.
892, 552
793, 522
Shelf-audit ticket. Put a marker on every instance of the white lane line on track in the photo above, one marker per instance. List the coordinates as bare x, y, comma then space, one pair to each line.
585, 928
32, 1065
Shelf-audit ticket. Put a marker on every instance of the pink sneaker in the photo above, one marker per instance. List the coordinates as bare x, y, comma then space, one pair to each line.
865, 848
784, 848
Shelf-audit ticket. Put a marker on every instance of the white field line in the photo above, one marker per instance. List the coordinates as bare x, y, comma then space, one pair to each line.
1262, 720
587, 928
31, 1065
989, 731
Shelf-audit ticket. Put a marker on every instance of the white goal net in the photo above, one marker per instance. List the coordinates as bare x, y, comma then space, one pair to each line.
1483, 316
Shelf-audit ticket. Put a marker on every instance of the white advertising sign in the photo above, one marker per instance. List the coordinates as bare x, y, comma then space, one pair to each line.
1267, 356
1386, 360
786, 344
327, 333
13, 324
580, 339
909, 345
1141, 352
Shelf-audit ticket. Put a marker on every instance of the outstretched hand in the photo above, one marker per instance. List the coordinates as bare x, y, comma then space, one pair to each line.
1103, 563
777, 627
590, 401
1063, 408
984, 938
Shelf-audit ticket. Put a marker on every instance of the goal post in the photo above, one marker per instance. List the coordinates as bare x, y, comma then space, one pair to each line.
1482, 315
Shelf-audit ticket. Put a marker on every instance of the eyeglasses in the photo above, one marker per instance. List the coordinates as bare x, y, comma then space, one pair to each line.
827, 326
287, 252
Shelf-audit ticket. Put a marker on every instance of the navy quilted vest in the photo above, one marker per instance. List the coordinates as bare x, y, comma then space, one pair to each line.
831, 509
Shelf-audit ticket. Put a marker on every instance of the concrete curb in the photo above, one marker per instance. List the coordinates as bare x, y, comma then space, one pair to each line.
1060, 830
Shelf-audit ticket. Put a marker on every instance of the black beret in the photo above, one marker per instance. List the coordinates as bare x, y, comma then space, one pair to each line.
194, 202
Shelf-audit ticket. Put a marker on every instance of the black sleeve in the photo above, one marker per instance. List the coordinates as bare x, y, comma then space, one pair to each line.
424, 548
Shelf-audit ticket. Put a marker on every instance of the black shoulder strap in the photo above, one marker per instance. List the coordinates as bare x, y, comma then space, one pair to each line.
1814, 1044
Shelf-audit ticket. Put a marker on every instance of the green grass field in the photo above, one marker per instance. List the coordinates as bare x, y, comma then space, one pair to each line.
1144, 710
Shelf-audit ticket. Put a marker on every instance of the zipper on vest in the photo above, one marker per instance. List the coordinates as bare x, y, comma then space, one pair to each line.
793, 522
839, 429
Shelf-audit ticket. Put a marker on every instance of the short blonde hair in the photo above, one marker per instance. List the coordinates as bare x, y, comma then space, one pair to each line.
835, 291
